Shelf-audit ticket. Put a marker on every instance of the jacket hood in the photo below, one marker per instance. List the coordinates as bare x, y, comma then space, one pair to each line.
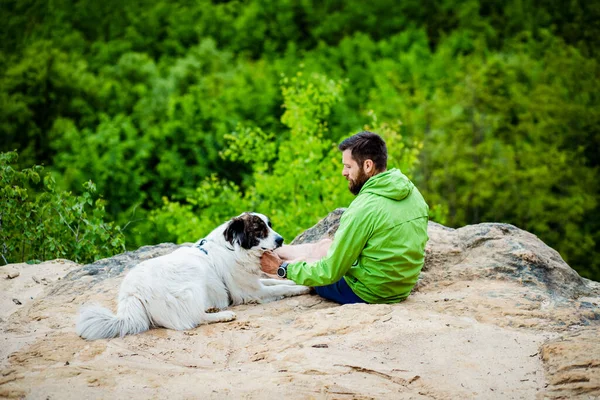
392, 184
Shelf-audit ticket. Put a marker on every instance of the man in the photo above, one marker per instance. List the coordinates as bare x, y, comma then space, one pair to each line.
378, 250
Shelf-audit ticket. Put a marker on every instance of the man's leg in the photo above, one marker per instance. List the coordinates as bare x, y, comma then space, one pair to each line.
339, 292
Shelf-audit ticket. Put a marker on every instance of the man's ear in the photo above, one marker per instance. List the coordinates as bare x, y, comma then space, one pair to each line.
369, 167
234, 233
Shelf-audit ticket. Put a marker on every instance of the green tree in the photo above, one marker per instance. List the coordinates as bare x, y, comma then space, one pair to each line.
145, 99
296, 177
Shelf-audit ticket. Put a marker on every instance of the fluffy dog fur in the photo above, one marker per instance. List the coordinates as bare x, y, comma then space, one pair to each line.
175, 290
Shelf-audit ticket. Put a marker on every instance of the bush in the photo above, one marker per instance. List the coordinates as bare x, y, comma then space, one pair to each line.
51, 224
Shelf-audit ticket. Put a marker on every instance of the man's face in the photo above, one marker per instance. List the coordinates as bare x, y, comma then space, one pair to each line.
354, 173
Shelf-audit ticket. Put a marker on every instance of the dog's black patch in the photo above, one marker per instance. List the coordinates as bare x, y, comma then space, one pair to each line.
247, 230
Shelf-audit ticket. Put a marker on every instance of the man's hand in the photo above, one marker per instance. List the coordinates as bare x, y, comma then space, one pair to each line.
270, 262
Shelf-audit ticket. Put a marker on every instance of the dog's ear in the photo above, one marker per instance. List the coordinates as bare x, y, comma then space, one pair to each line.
235, 232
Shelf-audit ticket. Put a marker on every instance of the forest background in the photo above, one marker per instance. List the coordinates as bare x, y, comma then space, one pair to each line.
126, 123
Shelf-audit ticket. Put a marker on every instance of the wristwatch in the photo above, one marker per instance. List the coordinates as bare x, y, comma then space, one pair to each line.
282, 270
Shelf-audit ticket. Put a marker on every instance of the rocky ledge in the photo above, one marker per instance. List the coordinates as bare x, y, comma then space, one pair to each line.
495, 314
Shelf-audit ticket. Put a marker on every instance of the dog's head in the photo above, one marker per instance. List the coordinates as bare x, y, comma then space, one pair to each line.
252, 231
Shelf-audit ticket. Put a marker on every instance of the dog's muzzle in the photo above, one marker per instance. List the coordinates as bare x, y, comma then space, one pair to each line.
279, 241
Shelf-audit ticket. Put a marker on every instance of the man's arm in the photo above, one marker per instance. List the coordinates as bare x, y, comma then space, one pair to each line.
348, 243
309, 252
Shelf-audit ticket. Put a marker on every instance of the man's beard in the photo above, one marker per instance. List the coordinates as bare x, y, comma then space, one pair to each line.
355, 185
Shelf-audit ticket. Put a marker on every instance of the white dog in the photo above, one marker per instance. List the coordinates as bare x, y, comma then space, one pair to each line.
175, 290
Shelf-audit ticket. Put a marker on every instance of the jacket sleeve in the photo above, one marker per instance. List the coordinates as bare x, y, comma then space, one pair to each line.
348, 243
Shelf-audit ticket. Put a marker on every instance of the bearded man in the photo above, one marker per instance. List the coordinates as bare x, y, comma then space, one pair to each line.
379, 248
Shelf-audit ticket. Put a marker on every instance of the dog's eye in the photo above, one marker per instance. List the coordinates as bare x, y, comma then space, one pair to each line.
269, 223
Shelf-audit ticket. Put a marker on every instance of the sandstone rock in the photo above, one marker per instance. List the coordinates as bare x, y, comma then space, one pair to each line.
496, 314
572, 363
326, 228
119, 264
484, 251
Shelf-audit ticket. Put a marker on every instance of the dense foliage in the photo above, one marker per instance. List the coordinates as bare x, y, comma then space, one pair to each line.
185, 113
51, 224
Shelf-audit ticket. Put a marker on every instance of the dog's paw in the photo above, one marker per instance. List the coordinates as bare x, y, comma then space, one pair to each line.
299, 290
221, 316
304, 289
227, 316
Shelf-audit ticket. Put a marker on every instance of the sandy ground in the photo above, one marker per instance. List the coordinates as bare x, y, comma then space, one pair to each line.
31, 281
460, 340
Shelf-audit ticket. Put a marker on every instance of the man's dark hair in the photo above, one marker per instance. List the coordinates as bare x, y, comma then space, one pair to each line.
367, 146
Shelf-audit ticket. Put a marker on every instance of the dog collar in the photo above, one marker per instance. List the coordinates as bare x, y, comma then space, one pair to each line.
202, 242
199, 246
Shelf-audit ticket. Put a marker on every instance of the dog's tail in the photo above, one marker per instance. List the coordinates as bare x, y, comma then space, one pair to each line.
97, 322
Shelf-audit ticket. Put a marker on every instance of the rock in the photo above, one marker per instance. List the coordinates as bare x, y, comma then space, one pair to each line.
572, 363
496, 314
326, 228
484, 251
503, 252
12, 274
100, 270
118, 264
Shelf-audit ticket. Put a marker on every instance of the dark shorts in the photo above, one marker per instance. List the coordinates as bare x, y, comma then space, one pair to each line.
339, 292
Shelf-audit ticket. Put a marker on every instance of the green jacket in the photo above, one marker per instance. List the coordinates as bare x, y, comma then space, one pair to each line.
379, 247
